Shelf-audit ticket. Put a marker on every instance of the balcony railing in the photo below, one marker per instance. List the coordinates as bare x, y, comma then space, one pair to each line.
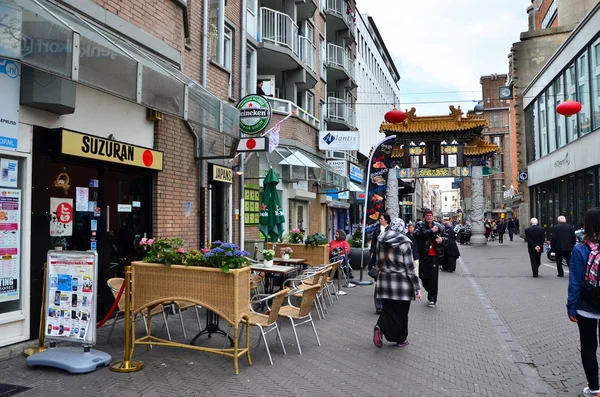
341, 10
338, 56
279, 29
282, 106
308, 53
340, 110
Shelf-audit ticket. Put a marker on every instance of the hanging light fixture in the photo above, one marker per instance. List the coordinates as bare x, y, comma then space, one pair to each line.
568, 108
395, 116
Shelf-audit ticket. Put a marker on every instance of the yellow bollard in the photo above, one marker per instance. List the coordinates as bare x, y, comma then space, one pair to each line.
127, 365
32, 350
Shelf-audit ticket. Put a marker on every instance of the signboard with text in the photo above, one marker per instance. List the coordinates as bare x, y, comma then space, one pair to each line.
10, 86
356, 173
339, 140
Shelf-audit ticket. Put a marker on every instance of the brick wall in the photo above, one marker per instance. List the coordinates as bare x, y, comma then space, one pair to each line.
176, 184
160, 18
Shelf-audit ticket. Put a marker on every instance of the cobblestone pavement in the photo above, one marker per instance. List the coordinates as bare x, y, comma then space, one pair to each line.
496, 332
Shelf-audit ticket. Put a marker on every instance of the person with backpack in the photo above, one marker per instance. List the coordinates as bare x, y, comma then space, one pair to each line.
583, 302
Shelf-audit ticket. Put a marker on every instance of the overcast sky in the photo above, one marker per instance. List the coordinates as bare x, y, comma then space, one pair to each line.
442, 46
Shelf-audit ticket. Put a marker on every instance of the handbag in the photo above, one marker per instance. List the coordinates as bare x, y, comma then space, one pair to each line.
374, 273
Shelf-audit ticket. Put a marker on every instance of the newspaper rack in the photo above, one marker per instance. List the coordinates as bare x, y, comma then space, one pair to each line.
69, 313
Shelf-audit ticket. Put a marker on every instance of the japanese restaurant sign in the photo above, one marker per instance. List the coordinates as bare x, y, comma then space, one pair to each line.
96, 148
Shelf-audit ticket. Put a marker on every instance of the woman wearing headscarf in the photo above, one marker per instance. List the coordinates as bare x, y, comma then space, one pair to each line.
397, 284
451, 252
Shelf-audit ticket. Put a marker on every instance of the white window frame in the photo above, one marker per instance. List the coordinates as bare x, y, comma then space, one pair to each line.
310, 103
220, 30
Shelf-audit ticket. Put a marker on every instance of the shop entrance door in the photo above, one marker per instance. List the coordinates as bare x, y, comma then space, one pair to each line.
219, 229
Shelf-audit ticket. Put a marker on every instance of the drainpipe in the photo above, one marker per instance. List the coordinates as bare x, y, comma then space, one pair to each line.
242, 94
202, 162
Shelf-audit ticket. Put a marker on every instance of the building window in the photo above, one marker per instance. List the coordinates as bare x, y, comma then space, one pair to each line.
499, 162
216, 31
536, 130
583, 94
543, 129
323, 59
497, 140
596, 83
551, 113
310, 103
561, 125
571, 88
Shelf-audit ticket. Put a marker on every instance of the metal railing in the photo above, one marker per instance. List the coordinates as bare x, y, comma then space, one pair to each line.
282, 106
308, 53
338, 109
338, 56
341, 9
279, 29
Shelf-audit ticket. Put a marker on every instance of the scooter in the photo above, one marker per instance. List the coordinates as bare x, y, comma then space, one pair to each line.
464, 235
551, 255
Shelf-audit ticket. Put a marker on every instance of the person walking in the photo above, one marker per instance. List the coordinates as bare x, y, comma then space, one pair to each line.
511, 228
410, 233
397, 285
451, 252
431, 240
562, 242
580, 309
384, 223
517, 227
501, 229
534, 236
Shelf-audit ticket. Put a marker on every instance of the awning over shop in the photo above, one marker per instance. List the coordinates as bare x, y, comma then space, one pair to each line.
300, 165
52, 39
353, 187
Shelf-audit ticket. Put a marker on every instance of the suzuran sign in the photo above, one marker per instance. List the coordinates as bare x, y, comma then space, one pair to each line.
255, 114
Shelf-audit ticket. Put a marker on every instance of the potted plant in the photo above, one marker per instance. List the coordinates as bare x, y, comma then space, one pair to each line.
286, 252
315, 239
296, 236
268, 257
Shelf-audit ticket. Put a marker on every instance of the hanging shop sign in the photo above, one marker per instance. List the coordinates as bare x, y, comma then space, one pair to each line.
339, 166
339, 140
220, 174
356, 173
407, 173
93, 147
10, 244
10, 86
255, 114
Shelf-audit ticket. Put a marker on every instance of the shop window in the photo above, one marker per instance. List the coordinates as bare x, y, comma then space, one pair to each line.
561, 125
551, 113
564, 200
556, 199
571, 93
590, 189
571, 200
580, 192
551, 220
583, 94
596, 83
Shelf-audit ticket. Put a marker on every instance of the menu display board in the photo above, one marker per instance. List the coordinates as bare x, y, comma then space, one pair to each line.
71, 298
10, 244
251, 204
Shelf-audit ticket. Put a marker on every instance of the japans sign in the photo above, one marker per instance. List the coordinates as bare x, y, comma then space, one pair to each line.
339, 140
10, 84
255, 114
356, 173
93, 147
220, 174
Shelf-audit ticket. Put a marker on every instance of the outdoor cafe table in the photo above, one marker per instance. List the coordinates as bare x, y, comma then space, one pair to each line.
272, 270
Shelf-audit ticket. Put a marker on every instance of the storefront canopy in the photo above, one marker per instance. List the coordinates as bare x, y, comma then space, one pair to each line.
57, 41
353, 187
300, 165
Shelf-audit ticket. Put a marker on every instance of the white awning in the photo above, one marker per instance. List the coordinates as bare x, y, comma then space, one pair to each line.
298, 158
355, 188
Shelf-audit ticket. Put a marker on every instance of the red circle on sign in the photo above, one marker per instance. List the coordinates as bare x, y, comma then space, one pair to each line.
64, 213
251, 143
147, 158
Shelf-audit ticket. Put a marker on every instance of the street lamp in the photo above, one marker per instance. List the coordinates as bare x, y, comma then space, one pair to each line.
478, 109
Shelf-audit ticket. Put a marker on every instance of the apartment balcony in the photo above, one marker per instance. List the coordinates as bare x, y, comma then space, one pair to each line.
340, 115
305, 9
282, 49
339, 65
281, 106
340, 18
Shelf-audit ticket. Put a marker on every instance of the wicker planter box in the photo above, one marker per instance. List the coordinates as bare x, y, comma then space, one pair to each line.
314, 256
228, 295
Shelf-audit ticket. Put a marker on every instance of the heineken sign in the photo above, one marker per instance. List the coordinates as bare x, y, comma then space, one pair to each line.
255, 114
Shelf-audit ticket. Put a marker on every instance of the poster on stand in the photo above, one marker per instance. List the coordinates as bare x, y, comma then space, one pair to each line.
10, 244
70, 309
61, 222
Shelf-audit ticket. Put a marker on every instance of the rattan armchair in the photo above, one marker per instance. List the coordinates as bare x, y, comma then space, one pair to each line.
301, 313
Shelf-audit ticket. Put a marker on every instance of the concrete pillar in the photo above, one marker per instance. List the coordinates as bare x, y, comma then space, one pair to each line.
391, 203
477, 228
531, 18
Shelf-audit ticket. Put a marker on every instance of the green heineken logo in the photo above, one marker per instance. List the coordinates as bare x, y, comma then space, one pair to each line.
255, 114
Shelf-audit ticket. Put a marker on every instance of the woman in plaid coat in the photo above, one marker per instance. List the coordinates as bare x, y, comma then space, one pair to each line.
397, 285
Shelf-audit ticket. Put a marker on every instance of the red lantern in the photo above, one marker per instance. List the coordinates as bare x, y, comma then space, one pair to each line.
395, 116
569, 108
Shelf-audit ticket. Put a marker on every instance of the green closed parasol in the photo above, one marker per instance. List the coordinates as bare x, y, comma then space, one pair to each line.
271, 214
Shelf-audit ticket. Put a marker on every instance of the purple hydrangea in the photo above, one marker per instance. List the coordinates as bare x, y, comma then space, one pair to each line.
209, 255
228, 246
217, 250
228, 253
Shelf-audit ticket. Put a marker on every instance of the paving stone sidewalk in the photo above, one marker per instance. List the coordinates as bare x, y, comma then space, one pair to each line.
455, 349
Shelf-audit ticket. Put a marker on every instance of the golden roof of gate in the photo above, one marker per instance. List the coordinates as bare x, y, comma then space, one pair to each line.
479, 147
452, 122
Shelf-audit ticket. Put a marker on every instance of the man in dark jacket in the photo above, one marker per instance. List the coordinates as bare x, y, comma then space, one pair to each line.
562, 242
384, 224
511, 228
534, 236
431, 239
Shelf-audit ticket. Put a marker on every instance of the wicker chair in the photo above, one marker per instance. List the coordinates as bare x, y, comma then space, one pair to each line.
302, 313
115, 286
314, 276
268, 322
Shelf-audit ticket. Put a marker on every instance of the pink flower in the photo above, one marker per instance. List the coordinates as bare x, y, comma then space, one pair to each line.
296, 230
205, 250
143, 241
180, 250
150, 241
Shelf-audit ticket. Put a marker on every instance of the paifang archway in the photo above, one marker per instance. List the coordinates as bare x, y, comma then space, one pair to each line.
428, 147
